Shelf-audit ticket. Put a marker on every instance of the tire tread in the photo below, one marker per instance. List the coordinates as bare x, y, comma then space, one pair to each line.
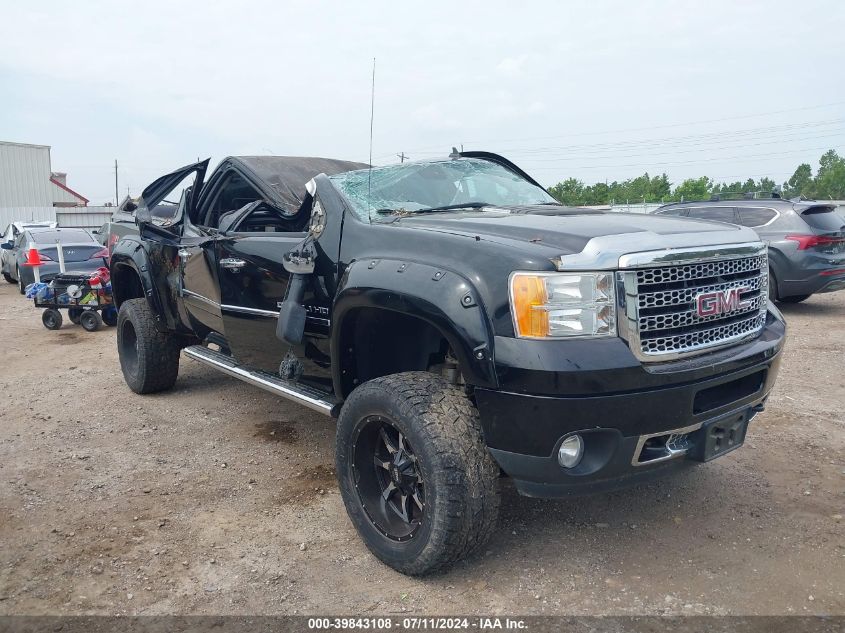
469, 475
158, 352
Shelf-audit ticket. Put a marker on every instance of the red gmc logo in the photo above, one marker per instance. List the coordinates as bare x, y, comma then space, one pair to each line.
720, 302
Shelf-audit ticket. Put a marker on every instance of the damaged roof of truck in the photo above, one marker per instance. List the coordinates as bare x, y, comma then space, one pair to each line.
287, 175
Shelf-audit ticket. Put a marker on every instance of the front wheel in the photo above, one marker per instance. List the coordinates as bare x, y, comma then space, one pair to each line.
149, 359
9, 279
415, 475
52, 319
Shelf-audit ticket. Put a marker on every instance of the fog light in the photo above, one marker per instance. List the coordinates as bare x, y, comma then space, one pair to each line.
571, 451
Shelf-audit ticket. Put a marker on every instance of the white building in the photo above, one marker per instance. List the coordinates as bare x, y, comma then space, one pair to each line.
30, 190
27, 179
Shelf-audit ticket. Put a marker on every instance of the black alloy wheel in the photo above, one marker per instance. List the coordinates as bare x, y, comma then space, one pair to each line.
390, 485
415, 475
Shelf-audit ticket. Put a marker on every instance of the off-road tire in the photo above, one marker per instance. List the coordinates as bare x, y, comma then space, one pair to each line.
149, 359
460, 477
73, 314
9, 278
794, 299
52, 319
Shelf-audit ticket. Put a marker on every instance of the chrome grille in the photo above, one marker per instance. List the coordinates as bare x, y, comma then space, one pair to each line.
662, 313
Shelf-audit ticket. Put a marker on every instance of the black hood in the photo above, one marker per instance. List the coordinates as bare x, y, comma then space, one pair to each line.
567, 230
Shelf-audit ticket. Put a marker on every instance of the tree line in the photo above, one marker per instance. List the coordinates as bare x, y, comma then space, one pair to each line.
828, 183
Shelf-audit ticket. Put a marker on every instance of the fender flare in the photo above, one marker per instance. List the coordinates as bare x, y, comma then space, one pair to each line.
131, 253
443, 298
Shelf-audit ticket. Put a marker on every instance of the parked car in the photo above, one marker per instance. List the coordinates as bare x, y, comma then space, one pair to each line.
806, 240
122, 221
459, 323
82, 253
11, 233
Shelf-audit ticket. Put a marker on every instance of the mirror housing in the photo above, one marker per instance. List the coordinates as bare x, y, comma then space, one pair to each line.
6, 246
143, 216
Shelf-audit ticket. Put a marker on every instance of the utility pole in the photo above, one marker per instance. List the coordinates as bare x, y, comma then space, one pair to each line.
116, 201
402, 157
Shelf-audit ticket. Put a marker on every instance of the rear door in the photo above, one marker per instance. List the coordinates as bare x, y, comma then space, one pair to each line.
164, 217
199, 286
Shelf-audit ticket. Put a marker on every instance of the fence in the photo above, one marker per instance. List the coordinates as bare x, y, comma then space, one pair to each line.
71, 217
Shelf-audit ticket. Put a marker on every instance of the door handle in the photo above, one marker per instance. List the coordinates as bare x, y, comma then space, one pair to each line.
231, 263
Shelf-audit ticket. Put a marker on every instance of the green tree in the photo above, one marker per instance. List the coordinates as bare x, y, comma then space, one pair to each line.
801, 183
694, 189
830, 180
570, 192
829, 183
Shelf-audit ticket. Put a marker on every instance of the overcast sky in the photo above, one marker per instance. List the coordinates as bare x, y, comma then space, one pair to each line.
595, 90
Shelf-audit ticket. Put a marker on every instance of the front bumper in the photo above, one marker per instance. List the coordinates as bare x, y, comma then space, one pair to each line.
524, 431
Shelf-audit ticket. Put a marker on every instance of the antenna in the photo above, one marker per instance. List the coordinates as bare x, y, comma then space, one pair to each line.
372, 111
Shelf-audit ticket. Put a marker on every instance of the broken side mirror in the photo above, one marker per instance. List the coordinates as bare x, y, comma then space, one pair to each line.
291, 324
6, 246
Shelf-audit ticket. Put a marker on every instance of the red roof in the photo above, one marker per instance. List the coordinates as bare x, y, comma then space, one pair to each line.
69, 190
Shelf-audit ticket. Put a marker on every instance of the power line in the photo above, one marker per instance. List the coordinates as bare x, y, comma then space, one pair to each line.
683, 141
766, 156
832, 134
651, 127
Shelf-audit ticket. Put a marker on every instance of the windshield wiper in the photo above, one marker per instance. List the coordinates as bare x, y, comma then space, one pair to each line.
463, 205
406, 212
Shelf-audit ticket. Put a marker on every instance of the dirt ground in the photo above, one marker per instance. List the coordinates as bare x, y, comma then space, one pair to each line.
219, 498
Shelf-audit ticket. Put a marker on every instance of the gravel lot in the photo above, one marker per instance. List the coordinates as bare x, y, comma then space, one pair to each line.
218, 498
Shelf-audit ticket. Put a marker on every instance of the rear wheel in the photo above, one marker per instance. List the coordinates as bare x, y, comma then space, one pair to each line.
149, 359
52, 319
417, 480
794, 299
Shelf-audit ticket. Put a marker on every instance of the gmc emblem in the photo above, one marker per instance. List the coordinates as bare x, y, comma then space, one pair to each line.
720, 302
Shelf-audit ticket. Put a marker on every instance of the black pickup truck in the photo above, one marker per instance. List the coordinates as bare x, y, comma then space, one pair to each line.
459, 323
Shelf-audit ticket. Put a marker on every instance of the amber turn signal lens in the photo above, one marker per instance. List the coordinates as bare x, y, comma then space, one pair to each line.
528, 293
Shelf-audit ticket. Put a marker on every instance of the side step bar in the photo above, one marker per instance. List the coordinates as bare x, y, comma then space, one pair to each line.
301, 394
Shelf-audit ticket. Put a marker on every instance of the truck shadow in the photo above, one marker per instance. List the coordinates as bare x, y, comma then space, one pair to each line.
809, 308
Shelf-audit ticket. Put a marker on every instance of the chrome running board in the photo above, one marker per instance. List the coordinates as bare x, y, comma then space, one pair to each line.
301, 394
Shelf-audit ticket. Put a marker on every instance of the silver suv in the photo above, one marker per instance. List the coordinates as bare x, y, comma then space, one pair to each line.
806, 240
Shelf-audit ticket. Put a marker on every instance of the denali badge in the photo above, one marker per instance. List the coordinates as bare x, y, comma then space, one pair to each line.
720, 302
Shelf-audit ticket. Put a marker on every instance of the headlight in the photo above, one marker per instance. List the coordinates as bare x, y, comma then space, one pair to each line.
563, 305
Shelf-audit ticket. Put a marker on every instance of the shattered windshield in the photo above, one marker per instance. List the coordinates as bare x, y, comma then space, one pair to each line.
413, 188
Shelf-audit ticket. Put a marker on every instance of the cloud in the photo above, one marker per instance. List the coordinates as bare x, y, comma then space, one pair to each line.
157, 83
512, 66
